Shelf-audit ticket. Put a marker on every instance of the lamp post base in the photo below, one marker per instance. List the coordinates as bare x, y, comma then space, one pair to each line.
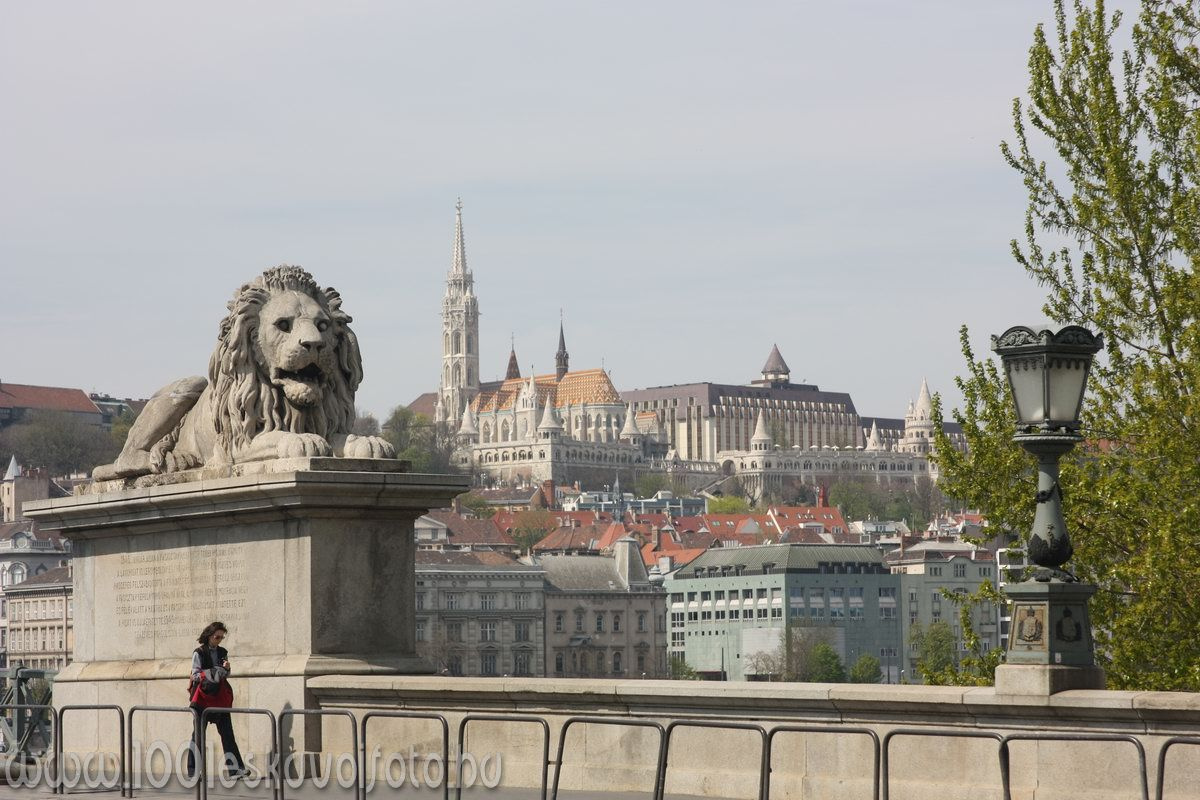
1046, 679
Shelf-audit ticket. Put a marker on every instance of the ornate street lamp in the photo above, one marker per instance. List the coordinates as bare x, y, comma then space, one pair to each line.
1050, 642
1047, 372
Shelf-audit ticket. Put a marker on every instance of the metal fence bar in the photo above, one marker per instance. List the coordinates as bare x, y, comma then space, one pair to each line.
1080, 737
19, 707
317, 712
202, 760
838, 729
462, 731
1162, 759
60, 786
161, 709
429, 715
631, 723
661, 781
953, 733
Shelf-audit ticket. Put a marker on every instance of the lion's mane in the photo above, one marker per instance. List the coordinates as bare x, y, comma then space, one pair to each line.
244, 401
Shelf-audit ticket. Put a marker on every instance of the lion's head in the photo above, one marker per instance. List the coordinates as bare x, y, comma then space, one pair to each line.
286, 359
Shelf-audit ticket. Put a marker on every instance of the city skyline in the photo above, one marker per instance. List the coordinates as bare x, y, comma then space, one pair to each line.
751, 182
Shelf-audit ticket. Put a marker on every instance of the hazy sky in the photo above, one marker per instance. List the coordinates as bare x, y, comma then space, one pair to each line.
689, 181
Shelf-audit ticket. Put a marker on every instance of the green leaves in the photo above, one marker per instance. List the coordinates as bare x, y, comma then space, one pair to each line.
1112, 231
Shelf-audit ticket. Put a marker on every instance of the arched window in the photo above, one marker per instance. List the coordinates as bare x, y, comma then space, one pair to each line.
470, 343
616, 663
457, 343
558, 663
16, 573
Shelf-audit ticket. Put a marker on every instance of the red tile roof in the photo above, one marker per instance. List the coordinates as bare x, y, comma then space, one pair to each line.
45, 398
463, 531
425, 404
586, 537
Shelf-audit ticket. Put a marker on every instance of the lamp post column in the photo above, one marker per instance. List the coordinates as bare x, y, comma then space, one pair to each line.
1050, 646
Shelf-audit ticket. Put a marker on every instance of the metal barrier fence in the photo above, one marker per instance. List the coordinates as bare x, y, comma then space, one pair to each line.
161, 710
881, 777
661, 781
429, 715
273, 771
631, 723
60, 785
520, 718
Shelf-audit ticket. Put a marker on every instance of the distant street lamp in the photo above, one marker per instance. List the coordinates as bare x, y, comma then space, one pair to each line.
1047, 372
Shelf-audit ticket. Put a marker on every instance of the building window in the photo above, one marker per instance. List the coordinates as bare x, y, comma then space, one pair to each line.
599, 622
856, 602
616, 663
579, 622
453, 601
420, 631
960, 570
558, 623
558, 663
521, 631
777, 613
521, 663
616, 622
762, 613
761, 594
521, 600
641, 624
487, 631
454, 631
487, 664
487, 601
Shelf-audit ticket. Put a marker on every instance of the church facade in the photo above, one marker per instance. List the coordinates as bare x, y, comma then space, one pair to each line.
575, 426
519, 431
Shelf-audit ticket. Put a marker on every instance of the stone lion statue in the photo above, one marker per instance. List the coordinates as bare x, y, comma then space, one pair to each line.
281, 383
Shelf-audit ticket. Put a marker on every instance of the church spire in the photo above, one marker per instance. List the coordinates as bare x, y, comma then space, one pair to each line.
459, 265
561, 357
514, 369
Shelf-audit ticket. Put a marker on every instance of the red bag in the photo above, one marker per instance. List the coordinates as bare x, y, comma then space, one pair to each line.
221, 698
206, 694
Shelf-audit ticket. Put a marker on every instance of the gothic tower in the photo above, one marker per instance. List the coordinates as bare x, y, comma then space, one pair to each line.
460, 334
561, 358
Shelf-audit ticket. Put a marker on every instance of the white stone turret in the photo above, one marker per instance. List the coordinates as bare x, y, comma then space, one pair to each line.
466, 427
551, 426
761, 440
873, 442
629, 431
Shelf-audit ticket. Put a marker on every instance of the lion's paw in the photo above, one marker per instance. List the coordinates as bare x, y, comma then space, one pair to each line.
299, 445
368, 447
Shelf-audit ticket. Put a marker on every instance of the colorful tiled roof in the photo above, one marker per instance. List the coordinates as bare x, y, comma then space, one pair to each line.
45, 398
583, 386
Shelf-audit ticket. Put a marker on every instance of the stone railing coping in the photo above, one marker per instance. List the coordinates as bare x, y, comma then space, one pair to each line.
980, 706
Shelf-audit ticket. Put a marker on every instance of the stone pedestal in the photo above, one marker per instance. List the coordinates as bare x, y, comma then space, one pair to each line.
1050, 647
309, 562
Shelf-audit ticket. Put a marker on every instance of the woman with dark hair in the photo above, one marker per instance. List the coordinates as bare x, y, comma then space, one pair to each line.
209, 688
